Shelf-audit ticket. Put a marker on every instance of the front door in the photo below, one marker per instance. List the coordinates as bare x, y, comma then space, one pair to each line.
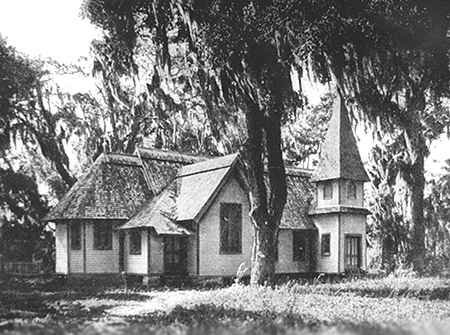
175, 255
352, 252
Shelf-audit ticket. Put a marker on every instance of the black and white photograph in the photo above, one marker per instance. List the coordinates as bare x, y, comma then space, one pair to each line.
192, 167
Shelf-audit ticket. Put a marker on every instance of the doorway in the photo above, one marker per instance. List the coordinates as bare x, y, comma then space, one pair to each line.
175, 255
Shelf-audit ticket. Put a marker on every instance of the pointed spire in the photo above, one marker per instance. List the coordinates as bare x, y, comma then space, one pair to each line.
339, 158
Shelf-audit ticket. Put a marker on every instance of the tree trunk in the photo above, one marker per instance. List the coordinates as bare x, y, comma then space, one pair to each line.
415, 183
263, 262
267, 200
388, 251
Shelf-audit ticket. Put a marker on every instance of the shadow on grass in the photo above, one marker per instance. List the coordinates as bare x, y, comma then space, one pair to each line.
211, 319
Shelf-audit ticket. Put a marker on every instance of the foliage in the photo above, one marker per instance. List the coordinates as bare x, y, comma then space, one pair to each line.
22, 234
305, 131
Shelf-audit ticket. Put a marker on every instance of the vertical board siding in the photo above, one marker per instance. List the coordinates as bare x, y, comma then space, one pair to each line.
61, 248
286, 263
328, 224
192, 255
156, 255
354, 224
136, 264
101, 261
212, 262
345, 200
321, 202
76, 257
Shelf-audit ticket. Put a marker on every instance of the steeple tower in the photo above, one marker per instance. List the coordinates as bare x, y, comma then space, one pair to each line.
339, 213
339, 158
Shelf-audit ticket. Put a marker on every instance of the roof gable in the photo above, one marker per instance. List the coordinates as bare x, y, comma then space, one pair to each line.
159, 213
199, 184
339, 156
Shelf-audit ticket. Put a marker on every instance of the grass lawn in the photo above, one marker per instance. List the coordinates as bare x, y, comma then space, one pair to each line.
385, 306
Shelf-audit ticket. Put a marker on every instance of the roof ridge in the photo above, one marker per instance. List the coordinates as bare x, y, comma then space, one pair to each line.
296, 171
172, 153
208, 165
119, 158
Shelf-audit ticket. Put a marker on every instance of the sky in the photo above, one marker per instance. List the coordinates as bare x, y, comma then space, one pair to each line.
54, 28
47, 28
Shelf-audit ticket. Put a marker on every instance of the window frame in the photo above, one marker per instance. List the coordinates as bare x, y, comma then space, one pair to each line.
323, 252
102, 237
75, 246
135, 242
352, 192
328, 185
226, 246
299, 236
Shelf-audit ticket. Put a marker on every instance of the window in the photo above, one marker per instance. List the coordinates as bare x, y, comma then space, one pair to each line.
328, 190
299, 246
135, 242
75, 236
352, 252
325, 244
351, 190
230, 228
102, 236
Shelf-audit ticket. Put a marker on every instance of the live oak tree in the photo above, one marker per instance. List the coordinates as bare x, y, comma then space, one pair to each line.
236, 65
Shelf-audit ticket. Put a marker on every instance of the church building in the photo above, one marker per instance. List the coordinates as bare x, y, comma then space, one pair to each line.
159, 213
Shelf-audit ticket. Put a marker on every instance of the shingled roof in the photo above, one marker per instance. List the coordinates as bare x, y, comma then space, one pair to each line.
161, 167
114, 187
339, 156
195, 188
298, 202
117, 185
159, 189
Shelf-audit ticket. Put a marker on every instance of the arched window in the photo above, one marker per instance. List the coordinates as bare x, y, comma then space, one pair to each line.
351, 190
